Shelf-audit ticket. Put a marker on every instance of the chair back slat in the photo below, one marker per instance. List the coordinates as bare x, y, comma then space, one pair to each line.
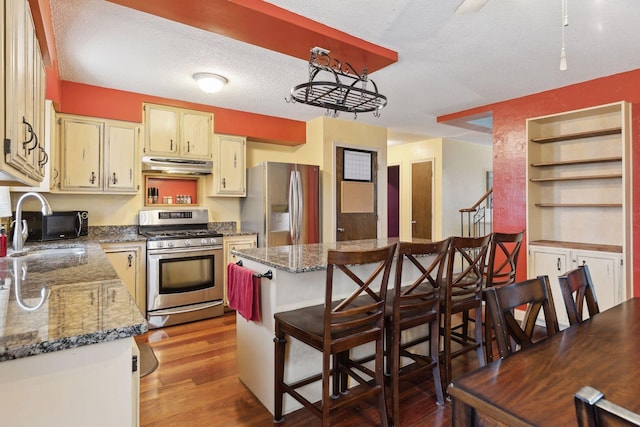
578, 282
535, 294
465, 266
503, 258
362, 311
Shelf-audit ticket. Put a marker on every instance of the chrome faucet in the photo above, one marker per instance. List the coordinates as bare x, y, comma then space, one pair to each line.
18, 240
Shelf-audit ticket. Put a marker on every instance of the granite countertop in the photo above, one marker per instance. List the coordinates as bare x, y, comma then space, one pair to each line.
57, 300
304, 258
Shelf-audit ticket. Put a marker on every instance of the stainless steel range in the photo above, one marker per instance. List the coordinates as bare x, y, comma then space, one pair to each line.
184, 266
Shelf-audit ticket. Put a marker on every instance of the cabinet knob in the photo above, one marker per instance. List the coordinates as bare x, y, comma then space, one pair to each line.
224, 183
114, 180
92, 178
130, 260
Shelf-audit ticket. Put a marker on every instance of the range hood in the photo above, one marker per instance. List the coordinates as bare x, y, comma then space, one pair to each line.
176, 165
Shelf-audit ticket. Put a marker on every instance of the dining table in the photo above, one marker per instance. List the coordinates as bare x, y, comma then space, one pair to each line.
536, 386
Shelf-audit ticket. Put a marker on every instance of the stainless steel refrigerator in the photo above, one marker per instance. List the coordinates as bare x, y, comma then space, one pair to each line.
282, 204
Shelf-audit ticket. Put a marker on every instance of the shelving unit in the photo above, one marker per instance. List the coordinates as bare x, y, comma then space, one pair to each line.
172, 186
579, 198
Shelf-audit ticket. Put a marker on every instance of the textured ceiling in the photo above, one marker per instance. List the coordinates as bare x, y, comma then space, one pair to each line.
446, 62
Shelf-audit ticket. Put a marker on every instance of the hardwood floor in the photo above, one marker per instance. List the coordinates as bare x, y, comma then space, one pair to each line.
196, 384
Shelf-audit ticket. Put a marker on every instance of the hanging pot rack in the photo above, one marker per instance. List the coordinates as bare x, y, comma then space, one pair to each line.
337, 87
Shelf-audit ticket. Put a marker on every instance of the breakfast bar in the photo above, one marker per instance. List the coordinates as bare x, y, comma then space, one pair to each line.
298, 281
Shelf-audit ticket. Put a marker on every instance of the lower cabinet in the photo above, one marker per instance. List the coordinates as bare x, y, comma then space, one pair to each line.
230, 243
90, 385
128, 260
605, 267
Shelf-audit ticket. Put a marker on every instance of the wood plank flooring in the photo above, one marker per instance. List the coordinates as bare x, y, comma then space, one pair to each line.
196, 384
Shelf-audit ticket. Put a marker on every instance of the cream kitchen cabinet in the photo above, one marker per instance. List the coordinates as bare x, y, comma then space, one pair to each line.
97, 155
129, 261
606, 269
229, 171
231, 243
177, 132
22, 121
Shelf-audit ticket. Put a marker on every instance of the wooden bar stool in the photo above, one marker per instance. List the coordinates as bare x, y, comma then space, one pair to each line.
414, 308
334, 328
501, 271
461, 293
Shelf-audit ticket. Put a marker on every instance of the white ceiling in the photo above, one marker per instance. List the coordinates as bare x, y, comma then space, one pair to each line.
447, 63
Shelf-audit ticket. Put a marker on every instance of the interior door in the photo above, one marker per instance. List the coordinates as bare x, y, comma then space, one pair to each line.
356, 199
421, 199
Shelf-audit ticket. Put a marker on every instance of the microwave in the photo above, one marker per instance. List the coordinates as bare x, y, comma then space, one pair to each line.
59, 225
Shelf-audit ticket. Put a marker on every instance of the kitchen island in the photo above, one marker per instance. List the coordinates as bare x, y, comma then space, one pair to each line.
66, 339
298, 281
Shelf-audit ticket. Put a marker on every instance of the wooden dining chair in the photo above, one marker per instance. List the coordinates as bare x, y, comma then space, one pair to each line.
334, 328
413, 310
593, 410
500, 271
513, 335
462, 292
577, 289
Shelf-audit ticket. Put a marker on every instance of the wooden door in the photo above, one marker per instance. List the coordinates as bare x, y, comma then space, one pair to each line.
421, 199
359, 196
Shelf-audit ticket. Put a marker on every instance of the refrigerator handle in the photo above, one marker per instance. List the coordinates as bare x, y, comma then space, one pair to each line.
292, 206
299, 205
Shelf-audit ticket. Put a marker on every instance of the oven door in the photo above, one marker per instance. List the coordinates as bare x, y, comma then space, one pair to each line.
181, 277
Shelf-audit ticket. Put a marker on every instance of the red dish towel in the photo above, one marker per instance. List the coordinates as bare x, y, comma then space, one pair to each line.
243, 291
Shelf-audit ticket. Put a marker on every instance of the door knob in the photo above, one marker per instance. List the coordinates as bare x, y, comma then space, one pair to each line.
413, 222
340, 229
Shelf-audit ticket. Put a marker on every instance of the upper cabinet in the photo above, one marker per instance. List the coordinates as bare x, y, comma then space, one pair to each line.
177, 132
579, 183
97, 155
229, 170
23, 98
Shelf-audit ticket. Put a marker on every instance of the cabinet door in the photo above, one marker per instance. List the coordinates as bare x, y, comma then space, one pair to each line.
125, 262
21, 127
552, 263
161, 132
605, 270
231, 171
196, 134
121, 154
81, 149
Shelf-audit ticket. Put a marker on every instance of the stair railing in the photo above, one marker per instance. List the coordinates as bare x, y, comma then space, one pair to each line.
476, 221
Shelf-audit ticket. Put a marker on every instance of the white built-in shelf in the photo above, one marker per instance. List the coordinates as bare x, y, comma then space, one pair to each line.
578, 162
577, 178
578, 135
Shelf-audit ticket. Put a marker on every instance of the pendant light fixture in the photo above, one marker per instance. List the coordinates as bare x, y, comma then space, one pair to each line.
209, 82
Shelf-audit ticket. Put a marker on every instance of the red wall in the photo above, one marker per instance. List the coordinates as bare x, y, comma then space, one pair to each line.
509, 145
76, 98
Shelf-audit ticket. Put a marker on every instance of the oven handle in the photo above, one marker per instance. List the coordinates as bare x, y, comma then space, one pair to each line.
185, 309
179, 251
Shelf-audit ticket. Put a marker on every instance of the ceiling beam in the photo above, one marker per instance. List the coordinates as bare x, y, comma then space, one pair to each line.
263, 24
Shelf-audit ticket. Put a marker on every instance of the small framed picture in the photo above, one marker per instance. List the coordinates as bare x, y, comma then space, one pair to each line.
356, 165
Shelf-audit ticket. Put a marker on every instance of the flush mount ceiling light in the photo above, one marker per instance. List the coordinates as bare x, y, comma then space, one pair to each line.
209, 82
337, 87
